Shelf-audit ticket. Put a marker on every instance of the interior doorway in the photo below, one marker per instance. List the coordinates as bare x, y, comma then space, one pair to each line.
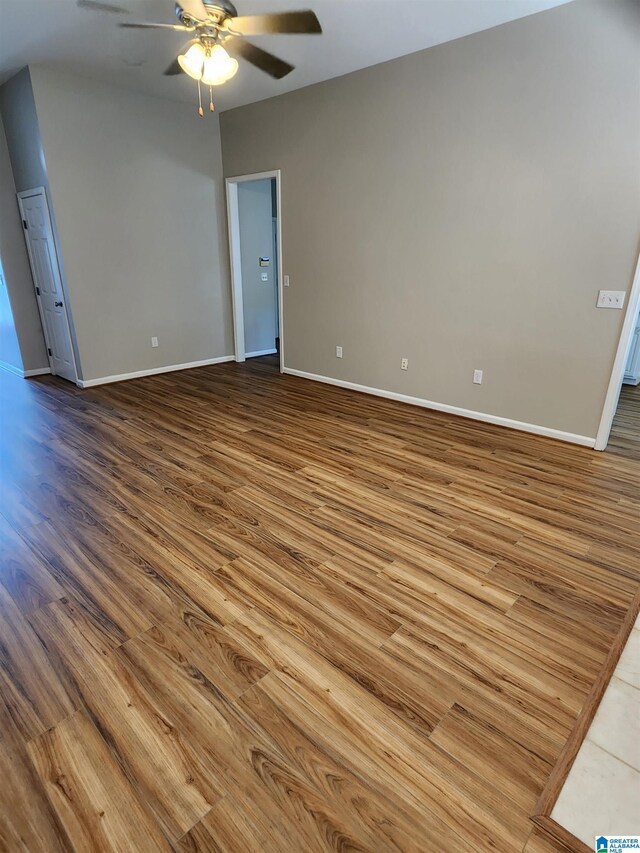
255, 241
625, 433
626, 360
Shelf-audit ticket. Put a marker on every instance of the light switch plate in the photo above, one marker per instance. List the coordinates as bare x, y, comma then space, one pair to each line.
611, 298
286, 281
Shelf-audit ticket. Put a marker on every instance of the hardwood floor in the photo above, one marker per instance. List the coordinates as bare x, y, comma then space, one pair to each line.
246, 612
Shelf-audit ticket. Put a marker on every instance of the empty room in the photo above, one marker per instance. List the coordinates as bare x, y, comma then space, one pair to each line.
319, 426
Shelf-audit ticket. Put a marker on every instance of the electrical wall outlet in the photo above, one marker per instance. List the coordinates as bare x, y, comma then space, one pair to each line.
264, 276
338, 352
404, 364
154, 342
286, 281
477, 377
611, 298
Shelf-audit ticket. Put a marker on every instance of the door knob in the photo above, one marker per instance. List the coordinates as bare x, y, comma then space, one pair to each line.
58, 304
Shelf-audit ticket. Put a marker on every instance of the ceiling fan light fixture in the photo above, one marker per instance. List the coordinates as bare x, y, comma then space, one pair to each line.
218, 67
212, 23
192, 61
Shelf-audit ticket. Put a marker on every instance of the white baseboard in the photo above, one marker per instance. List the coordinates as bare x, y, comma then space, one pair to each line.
170, 368
583, 440
260, 352
23, 374
11, 368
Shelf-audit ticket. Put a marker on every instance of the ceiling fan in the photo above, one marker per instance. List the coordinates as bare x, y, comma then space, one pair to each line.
219, 36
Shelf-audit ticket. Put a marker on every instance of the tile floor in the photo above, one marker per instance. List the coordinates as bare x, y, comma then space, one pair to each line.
601, 795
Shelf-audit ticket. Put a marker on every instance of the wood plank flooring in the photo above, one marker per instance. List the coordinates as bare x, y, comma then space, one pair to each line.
246, 612
625, 436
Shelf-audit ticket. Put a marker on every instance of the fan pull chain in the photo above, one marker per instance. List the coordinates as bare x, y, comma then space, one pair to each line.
200, 110
211, 107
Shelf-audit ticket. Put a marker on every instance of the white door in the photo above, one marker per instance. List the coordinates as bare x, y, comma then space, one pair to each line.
46, 278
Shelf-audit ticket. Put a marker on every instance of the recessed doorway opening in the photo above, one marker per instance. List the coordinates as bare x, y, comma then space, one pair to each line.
255, 245
624, 385
625, 433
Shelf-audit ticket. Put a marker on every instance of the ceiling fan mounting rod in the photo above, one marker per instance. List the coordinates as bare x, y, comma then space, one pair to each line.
216, 14
222, 7
208, 34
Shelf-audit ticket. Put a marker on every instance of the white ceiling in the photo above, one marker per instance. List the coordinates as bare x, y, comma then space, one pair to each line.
357, 33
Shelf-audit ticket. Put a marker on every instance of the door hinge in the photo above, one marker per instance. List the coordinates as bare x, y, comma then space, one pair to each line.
38, 291
49, 351
25, 224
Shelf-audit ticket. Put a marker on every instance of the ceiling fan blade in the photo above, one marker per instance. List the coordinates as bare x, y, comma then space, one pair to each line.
304, 22
173, 69
97, 6
142, 25
266, 62
194, 8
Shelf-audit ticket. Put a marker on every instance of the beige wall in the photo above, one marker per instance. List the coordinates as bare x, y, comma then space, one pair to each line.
137, 194
22, 132
9, 346
461, 207
21, 339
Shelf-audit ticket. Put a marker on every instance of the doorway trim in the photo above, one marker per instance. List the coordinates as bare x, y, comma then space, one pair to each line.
622, 353
43, 192
233, 220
